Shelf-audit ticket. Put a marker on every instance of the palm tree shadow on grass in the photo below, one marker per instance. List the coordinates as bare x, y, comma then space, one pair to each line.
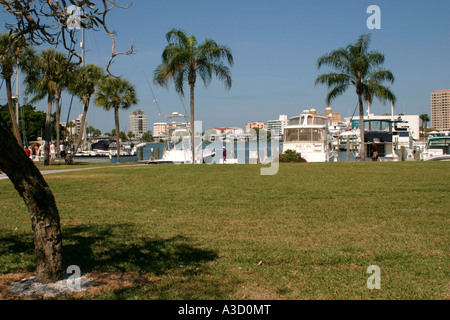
109, 248
100, 249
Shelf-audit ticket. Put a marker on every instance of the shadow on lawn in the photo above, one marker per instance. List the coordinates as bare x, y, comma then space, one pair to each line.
120, 248
116, 248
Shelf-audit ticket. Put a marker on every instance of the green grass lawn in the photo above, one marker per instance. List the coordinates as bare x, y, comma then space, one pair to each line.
226, 232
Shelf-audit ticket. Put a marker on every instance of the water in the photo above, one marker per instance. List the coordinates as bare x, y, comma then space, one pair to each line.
241, 150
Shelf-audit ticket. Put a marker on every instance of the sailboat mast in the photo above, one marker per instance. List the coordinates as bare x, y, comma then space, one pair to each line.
17, 92
83, 50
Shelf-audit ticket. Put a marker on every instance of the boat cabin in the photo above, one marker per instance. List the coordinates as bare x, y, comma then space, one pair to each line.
306, 127
442, 143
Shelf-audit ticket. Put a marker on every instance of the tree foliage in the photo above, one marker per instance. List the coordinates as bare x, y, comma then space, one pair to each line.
354, 66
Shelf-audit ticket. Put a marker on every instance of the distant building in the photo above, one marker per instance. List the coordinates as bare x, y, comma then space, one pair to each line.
276, 127
335, 117
440, 110
255, 124
138, 123
168, 128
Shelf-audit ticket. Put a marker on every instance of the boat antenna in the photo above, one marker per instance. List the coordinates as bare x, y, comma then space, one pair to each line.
154, 98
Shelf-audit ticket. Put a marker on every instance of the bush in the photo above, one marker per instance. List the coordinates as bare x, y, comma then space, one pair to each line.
291, 156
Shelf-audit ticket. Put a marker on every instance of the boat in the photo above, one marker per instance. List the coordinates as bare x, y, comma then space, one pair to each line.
347, 139
308, 135
181, 153
391, 136
437, 149
104, 150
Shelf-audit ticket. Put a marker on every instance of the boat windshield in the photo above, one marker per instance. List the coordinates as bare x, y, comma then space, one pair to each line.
310, 120
304, 134
439, 142
377, 125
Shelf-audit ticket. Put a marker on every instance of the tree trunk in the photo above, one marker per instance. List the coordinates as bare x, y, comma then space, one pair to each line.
41, 204
48, 132
361, 128
57, 121
82, 124
116, 117
192, 86
12, 113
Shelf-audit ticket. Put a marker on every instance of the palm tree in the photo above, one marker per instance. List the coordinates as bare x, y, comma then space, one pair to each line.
49, 75
115, 93
425, 118
183, 59
83, 85
18, 53
357, 67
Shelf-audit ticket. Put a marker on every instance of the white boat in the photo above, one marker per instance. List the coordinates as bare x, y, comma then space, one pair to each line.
182, 153
437, 149
104, 150
308, 135
348, 139
392, 136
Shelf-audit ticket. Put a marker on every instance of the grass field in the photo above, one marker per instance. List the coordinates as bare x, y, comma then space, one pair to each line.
226, 232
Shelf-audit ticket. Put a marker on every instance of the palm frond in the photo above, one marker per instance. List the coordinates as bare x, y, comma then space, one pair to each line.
336, 92
333, 79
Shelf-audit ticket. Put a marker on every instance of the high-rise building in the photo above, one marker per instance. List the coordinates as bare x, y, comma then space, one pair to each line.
138, 123
440, 110
276, 127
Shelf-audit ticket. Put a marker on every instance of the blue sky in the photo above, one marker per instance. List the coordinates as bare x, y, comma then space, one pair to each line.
275, 44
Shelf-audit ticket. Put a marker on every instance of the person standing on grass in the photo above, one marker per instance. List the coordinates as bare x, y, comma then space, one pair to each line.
374, 152
52, 152
62, 150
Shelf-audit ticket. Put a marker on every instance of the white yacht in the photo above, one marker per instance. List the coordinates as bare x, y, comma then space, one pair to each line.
437, 149
308, 135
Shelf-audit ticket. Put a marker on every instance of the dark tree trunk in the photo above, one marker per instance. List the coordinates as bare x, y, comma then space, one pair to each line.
57, 121
361, 128
41, 204
192, 86
116, 118
82, 125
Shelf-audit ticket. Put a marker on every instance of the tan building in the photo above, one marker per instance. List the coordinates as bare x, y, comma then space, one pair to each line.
335, 117
255, 124
440, 110
165, 128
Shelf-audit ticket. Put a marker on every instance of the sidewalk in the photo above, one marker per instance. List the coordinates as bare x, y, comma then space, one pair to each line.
3, 176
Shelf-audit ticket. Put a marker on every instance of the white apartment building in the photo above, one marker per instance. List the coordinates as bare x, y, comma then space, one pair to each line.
276, 127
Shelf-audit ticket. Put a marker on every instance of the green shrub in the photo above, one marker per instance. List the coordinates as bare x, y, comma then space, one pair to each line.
291, 156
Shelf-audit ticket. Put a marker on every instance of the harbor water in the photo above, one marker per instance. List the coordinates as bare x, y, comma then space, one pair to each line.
240, 150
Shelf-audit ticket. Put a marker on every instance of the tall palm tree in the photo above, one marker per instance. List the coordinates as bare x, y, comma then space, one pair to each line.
425, 118
115, 93
183, 59
357, 67
84, 85
18, 53
48, 76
